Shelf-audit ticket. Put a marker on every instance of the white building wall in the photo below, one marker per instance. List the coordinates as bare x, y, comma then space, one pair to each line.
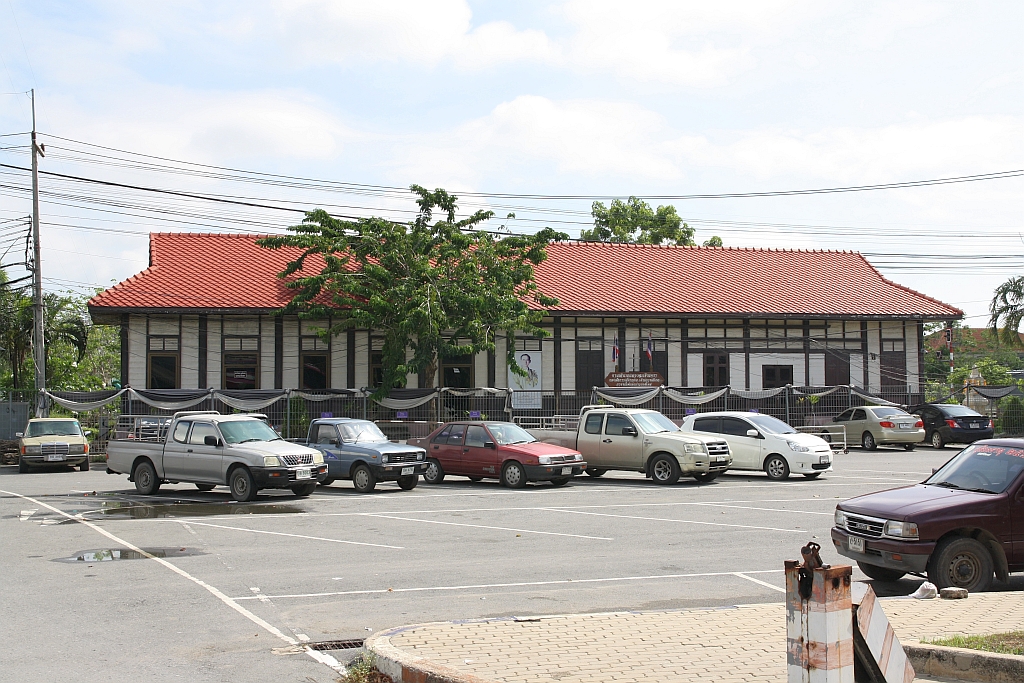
757, 360
695, 370
547, 370
266, 352
500, 363
817, 368
675, 358
363, 359
339, 361
137, 351
290, 347
412, 379
738, 371
479, 370
190, 351
857, 370
875, 364
568, 365
214, 325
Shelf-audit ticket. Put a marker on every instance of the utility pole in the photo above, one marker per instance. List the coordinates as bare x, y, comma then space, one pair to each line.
38, 343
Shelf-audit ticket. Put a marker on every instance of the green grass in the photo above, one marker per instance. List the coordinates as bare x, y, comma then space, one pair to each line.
1004, 643
364, 670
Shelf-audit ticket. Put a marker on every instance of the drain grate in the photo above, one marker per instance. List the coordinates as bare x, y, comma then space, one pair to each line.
335, 645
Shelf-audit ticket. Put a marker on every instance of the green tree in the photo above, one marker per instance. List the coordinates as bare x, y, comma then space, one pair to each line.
715, 241
993, 373
439, 287
636, 222
1007, 311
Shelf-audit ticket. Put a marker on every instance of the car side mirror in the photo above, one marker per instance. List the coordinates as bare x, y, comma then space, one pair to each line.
934, 470
211, 440
628, 431
19, 434
488, 444
753, 433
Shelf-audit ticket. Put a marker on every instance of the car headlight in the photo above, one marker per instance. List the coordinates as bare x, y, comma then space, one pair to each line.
578, 456
840, 519
77, 449
421, 456
905, 530
271, 461
318, 458
33, 450
384, 459
697, 448
544, 459
799, 448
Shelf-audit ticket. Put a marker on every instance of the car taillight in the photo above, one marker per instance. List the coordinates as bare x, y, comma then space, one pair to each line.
919, 424
952, 424
886, 424
991, 424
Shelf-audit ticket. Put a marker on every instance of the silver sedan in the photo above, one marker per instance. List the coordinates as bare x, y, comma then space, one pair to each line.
881, 425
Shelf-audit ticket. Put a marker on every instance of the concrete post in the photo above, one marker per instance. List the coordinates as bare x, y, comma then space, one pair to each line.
819, 624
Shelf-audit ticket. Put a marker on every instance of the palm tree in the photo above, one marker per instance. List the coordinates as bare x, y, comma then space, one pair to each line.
1007, 309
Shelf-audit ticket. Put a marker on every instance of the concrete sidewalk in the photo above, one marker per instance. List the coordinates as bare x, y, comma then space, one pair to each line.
745, 643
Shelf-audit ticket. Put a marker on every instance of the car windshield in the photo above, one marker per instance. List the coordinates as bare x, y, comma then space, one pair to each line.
888, 412
985, 468
244, 431
958, 411
770, 424
54, 428
361, 432
653, 423
507, 433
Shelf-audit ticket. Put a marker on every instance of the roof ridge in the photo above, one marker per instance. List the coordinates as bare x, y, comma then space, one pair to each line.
908, 289
701, 247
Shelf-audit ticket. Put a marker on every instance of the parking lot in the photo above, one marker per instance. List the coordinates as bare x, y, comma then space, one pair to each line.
233, 584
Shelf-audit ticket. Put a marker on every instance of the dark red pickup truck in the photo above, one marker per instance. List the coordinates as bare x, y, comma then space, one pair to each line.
961, 526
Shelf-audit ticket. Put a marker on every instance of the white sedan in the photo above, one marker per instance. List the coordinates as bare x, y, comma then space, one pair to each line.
761, 442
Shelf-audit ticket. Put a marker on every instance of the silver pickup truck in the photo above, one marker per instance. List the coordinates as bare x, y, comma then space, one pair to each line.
208, 449
637, 440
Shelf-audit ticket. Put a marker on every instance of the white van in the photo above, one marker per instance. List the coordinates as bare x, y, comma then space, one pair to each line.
762, 442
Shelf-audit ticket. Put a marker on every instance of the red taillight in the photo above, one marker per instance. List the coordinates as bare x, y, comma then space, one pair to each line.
886, 424
919, 424
952, 424
991, 424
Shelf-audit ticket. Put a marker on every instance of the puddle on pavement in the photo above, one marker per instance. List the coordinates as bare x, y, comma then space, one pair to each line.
133, 509
109, 555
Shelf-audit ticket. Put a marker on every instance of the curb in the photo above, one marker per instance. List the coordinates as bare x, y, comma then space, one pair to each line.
963, 664
403, 667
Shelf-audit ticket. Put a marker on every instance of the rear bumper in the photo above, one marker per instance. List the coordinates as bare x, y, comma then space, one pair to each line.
549, 472
283, 477
965, 435
884, 552
900, 436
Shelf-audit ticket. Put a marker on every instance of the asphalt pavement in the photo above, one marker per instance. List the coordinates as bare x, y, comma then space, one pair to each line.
223, 591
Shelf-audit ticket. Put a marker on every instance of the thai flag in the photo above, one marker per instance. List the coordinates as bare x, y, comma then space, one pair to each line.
615, 349
650, 347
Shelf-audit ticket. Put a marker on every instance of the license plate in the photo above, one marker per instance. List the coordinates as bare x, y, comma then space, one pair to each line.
720, 458
823, 460
303, 473
856, 544
906, 425
56, 457
566, 470
408, 470
975, 425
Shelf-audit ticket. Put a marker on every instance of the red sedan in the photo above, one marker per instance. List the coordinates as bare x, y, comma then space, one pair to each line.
496, 450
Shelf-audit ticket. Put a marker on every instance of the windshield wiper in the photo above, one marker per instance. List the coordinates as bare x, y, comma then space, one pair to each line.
948, 485
252, 439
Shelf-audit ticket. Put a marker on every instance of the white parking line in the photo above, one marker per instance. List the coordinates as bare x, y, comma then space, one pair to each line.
481, 526
678, 521
746, 507
281, 533
758, 581
518, 584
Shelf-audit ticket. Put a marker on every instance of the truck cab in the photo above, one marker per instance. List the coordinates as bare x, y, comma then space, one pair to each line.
360, 451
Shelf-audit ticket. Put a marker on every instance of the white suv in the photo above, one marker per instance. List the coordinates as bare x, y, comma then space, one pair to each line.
761, 442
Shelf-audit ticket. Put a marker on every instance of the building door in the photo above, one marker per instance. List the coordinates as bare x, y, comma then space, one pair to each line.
837, 368
716, 369
589, 364
893, 366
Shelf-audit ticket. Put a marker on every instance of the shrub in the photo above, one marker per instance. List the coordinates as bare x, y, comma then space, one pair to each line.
1012, 419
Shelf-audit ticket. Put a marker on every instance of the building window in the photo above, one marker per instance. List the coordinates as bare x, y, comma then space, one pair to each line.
589, 363
240, 362
659, 361
716, 369
457, 372
162, 366
774, 376
314, 361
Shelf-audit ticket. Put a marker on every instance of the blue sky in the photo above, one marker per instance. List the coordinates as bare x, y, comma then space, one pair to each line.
645, 98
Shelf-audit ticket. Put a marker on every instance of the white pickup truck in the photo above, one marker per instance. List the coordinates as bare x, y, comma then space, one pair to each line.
636, 440
208, 449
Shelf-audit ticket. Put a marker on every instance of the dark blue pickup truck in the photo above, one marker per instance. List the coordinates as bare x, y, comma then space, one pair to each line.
359, 450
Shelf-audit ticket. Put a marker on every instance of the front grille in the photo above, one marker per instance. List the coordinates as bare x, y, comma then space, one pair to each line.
301, 459
559, 459
402, 457
54, 449
864, 526
820, 466
718, 448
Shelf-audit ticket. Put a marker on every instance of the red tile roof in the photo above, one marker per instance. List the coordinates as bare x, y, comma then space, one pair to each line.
226, 272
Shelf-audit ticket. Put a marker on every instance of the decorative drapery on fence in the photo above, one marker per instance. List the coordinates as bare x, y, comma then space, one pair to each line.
635, 397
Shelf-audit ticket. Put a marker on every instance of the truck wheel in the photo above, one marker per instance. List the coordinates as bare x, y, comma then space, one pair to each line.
22, 466
243, 488
408, 483
560, 482
962, 563
303, 490
705, 477
776, 468
363, 479
205, 487
937, 442
327, 482
595, 471
513, 475
664, 470
434, 473
84, 467
880, 573
146, 481
867, 441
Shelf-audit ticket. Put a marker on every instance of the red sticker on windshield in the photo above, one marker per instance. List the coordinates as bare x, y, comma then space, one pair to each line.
998, 450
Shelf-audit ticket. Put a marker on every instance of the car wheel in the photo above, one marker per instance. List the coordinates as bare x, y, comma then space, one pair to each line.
408, 483
812, 475
327, 482
826, 436
705, 477
937, 441
867, 441
595, 472
363, 479
560, 482
962, 563
22, 466
205, 487
776, 468
434, 473
908, 446
146, 481
664, 470
513, 475
475, 479
84, 467
880, 573
303, 490
243, 488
